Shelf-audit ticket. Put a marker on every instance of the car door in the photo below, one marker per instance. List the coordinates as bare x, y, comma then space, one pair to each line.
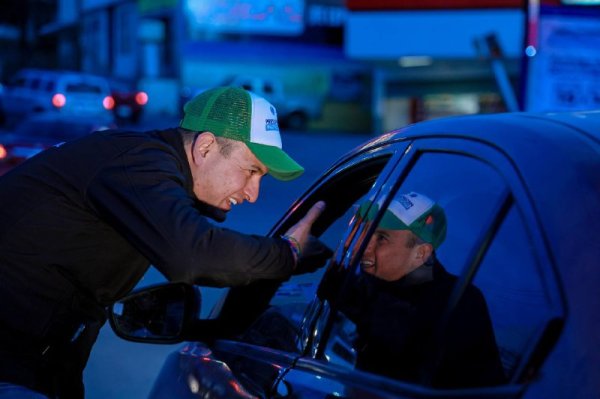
494, 243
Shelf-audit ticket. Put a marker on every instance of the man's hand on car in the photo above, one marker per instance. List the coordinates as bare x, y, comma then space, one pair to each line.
312, 252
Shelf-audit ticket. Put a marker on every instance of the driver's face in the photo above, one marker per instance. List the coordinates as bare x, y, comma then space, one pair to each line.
388, 255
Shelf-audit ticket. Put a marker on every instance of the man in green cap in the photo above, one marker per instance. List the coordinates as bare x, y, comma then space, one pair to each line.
82, 222
399, 300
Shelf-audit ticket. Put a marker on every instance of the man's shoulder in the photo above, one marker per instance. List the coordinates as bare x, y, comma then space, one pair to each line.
142, 135
124, 140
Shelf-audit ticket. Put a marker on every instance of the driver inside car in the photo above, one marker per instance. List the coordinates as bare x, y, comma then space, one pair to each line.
399, 302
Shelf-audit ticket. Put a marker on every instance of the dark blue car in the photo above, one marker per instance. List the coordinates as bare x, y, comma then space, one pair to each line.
522, 199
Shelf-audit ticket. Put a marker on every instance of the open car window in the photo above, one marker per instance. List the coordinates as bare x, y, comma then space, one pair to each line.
282, 324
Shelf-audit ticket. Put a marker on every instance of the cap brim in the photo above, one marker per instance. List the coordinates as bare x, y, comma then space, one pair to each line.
281, 165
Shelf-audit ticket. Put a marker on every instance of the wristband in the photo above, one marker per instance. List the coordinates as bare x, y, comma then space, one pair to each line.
294, 245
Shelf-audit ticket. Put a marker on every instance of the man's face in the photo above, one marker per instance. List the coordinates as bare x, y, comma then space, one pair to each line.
388, 256
225, 180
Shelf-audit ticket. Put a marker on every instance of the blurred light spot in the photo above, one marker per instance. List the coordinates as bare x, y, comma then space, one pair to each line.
193, 384
141, 98
530, 51
59, 100
3, 152
108, 102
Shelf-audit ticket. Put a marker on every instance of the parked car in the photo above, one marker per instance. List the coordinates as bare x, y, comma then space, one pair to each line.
521, 194
129, 103
63, 92
294, 110
39, 132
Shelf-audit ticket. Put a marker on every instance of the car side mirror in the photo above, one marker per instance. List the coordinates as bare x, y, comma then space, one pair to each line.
156, 314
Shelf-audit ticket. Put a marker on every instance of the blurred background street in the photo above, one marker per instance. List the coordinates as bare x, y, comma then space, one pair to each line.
338, 71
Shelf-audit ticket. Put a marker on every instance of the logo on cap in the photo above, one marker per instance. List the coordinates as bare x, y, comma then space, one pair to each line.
271, 124
405, 202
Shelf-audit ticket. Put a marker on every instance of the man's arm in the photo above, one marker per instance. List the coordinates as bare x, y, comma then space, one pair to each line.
142, 195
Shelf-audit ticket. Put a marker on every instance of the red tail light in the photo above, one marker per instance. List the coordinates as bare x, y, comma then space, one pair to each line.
141, 98
108, 102
59, 100
3, 152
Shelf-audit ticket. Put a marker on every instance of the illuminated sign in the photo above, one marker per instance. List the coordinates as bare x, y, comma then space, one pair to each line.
430, 4
581, 2
563, 61
285, 17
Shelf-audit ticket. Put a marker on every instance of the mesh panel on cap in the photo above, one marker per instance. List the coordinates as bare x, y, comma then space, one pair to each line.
199, 105
232, 110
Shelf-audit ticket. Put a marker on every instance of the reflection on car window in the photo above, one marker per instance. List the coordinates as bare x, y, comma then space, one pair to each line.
453, 335
518, 301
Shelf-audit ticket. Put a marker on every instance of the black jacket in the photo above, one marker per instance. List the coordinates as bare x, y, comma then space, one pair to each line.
81, 222
403, 331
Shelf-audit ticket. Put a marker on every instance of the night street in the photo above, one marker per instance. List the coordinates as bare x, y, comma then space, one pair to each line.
151, 147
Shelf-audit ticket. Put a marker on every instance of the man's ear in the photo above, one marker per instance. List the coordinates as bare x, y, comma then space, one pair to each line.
424, 251
202, 145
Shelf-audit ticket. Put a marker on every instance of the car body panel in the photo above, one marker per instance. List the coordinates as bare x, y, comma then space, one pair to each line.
194, 371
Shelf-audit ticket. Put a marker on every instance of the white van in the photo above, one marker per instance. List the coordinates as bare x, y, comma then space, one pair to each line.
65, 92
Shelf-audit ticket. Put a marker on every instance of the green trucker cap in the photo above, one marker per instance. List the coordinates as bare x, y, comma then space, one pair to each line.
414, 212
241, 115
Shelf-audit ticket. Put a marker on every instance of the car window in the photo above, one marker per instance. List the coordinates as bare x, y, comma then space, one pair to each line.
293, 295
476, 329
517, 298
19, 81
82, 88
50, 84
281, 325
35, 83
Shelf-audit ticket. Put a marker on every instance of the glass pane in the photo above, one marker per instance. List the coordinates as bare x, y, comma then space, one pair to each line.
82, 88
300, 289
510, 279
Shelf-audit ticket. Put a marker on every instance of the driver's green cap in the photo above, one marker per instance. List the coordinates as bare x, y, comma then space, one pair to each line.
414, 212
241, 115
